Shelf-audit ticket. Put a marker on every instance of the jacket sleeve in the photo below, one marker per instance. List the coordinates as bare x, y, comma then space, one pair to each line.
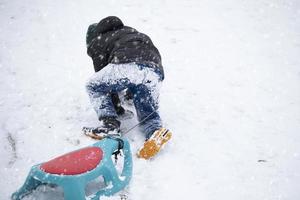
100, 61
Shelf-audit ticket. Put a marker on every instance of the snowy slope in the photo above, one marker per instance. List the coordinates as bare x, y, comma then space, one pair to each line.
231, 94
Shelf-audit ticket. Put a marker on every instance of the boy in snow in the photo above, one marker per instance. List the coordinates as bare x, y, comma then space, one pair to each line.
125, 59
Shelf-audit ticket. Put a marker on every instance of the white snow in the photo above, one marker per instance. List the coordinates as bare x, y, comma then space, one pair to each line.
231, 95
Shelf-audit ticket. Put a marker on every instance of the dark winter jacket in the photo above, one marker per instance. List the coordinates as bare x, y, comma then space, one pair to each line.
109, 41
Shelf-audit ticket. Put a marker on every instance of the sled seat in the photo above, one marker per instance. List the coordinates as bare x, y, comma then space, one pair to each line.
77, 162
74, 170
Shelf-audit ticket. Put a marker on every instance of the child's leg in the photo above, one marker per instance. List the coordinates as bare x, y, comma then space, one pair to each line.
101, 99
146, 107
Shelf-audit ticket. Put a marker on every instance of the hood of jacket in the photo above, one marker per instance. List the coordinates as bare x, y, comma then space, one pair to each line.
110, 23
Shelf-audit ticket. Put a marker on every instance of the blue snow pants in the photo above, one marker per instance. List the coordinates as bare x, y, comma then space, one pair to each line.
142, 81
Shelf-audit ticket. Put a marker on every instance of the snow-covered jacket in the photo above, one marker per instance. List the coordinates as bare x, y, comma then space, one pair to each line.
109, 41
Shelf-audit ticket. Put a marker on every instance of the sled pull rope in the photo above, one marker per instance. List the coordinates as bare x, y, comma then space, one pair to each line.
130, 129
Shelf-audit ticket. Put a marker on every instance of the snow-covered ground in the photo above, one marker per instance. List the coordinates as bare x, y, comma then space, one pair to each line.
231, 94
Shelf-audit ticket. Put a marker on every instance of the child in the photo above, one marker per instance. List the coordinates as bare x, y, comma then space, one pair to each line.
125, 59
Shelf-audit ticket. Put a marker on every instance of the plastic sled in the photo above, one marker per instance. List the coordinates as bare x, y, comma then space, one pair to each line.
72, 171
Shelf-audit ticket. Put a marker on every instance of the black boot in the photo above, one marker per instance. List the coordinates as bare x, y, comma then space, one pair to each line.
117, 104
121, 112
109, 124
110, 127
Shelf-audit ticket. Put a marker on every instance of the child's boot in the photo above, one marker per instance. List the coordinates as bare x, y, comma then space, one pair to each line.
110, 126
